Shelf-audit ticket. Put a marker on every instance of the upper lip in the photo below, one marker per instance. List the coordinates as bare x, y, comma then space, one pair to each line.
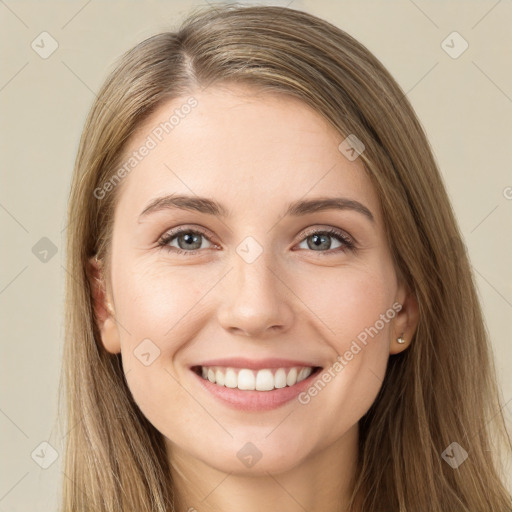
256, 364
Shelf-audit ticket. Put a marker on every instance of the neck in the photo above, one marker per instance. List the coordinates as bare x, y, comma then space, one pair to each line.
322, 482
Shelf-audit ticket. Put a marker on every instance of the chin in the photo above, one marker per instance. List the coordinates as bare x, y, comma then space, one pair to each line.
257, 455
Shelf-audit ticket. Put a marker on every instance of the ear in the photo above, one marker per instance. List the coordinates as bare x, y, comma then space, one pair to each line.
103, 311
406, 320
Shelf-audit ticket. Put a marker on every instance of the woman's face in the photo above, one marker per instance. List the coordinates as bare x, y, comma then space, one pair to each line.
258, 285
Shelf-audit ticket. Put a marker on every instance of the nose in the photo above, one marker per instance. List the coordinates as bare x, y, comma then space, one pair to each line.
256, 299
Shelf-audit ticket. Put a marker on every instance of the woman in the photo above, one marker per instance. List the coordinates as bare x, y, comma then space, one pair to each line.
269, 302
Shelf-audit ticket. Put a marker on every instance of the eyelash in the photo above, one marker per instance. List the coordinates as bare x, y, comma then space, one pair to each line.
349, 245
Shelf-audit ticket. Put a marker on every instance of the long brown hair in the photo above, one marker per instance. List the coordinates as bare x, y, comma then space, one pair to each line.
442, 389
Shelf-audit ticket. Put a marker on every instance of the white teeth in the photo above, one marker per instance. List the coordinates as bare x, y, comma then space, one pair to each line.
304, 374
246, 380
291, 378
230, 381
219, 378
280, 378
261, 380
264, 380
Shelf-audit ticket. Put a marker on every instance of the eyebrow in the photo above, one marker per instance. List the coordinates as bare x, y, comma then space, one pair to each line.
212, 207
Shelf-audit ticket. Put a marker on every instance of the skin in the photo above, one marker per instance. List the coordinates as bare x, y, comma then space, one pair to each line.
254, 153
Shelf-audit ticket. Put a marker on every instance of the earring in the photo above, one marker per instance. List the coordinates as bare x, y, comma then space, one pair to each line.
400, 340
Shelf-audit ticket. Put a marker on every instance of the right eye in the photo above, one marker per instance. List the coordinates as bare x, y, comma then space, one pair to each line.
188, 240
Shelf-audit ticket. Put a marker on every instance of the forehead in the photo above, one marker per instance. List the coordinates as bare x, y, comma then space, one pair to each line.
243, 147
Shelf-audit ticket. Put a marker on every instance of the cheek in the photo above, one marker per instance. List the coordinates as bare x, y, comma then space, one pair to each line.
349, 304
356, 315
158, 301
155, 311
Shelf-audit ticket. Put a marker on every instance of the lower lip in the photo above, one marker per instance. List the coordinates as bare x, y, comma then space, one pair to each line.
256, 400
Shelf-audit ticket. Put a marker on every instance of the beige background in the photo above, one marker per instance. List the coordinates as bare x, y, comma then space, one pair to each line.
465, 105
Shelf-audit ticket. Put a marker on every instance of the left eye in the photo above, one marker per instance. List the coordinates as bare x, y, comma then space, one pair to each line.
317, 240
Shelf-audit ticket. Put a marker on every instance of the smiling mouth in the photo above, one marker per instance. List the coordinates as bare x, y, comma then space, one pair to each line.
266, 379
